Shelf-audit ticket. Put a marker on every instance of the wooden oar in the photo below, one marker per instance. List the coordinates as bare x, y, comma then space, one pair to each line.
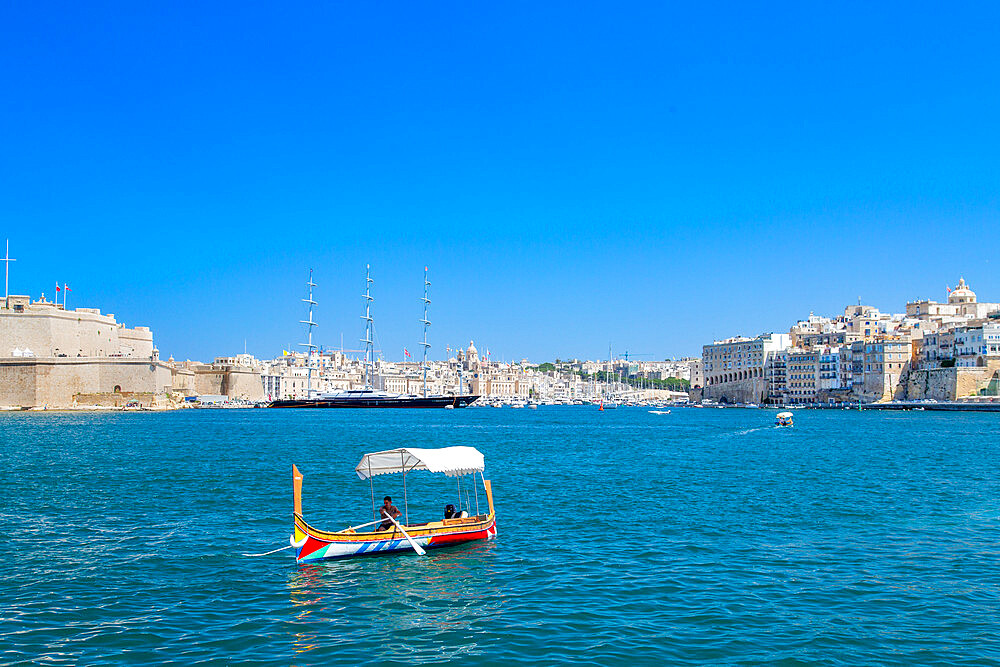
416, 547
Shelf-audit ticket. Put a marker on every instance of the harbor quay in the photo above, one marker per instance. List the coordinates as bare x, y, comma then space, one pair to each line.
933, 351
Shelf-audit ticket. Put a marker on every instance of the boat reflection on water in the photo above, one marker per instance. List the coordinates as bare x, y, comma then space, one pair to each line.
450, 593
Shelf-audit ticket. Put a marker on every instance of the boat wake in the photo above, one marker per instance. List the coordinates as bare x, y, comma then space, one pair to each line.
750, 430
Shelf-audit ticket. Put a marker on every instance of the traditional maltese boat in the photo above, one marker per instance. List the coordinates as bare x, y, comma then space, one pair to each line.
783, 419
312, 544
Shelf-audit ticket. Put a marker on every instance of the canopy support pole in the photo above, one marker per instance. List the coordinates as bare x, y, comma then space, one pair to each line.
406, 504
371, 485
477, 492
459, 478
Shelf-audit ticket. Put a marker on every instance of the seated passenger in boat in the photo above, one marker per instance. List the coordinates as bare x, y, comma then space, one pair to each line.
387, 509
449, 512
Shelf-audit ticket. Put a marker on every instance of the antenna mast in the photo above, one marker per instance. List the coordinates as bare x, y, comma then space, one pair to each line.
309, 343
367, 340
6, 275
427, 323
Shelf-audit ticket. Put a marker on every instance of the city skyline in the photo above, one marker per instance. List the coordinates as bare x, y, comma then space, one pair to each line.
654, 177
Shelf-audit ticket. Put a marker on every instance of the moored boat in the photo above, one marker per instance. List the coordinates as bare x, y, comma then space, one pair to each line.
312, 544
373, 398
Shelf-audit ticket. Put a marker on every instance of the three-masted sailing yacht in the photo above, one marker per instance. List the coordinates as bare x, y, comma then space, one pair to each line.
369, 396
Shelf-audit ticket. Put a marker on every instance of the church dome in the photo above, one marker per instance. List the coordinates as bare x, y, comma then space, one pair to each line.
962, 293
472, 349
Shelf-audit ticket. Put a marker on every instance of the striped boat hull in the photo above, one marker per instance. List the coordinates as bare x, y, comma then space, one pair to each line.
315, 545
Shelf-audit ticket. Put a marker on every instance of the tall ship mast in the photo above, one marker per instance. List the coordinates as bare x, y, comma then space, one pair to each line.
309, 340
368, 396
426, 324
369, 323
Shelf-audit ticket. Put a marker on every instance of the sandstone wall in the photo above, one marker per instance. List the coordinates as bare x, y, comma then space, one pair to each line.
744, 391
56, 382
17, 384
50, 332
121, 400
231, 382
245, 385
210, 382
943, 384
182, 382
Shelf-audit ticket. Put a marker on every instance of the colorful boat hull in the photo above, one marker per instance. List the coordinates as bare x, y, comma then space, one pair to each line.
315, 545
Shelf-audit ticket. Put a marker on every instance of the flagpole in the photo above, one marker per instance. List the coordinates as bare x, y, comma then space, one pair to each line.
6, 279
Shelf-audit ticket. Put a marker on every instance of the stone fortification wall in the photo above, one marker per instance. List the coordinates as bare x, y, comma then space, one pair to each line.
948, 384
210, 382
49, 331
137, 342
183, 381
31, 382
18, 385
246, 385
232, 382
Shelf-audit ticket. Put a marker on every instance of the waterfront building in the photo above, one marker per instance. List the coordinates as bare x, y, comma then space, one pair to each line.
802, 375
886, 362
776, 372
735, 367
977, 345
845, 366
813, 373
697, 367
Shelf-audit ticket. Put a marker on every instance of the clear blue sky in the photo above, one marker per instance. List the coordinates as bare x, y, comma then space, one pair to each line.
649, 174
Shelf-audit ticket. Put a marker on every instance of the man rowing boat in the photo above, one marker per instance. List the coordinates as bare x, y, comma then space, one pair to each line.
387, 510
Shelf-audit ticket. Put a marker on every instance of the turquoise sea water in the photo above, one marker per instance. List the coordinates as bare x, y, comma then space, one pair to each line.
702, 536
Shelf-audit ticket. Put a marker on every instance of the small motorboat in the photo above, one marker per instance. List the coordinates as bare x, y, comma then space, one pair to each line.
312, 544
783, 419
659, 412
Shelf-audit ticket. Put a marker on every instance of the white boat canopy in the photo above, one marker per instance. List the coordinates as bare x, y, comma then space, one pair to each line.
784, 415
452, 461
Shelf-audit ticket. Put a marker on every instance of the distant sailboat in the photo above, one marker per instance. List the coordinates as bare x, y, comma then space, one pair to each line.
612, 403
